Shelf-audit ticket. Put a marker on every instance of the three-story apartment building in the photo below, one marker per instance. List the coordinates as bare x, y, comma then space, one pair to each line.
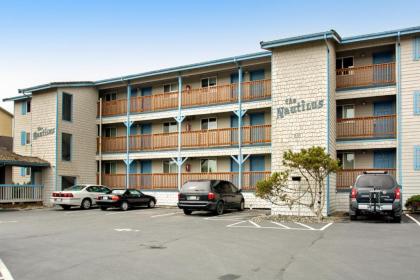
232, 118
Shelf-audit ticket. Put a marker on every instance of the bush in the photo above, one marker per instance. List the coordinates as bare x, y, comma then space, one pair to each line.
413, 202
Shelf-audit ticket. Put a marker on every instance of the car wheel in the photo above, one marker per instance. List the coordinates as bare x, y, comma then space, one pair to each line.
241, 206
65, 207
104, 208
86, 204
220, 207
124, 206
151, 204
396, 219
187, 211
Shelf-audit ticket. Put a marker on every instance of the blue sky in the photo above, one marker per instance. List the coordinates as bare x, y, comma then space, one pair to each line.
45, 41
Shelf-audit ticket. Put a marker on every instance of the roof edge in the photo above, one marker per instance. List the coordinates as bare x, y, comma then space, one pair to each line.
331, 34
56, 85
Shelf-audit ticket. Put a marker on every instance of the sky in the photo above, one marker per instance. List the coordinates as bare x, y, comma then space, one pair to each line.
45, 41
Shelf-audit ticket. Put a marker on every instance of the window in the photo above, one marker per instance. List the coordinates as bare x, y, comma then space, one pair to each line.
170, 127
134, 193
23, 138
67, 106
28, 138
110, 167
208, 165
344, 62
110, 96
416, 48
66, 146
169, 167
346, 160
110, 132
210, 123
416, 103
208, 82
25, 171
345, 112
417, 158
173, 87
67, 182
25, 107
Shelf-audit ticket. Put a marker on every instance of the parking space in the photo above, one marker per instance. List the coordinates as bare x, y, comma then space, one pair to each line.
166, 244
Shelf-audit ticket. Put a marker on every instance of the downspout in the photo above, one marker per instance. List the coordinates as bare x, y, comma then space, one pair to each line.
179, 120
56, 141
399, 116
100, 141
328, 120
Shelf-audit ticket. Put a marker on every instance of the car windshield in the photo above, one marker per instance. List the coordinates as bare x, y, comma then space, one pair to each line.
118, 191
377, 181
75, 188
196, 186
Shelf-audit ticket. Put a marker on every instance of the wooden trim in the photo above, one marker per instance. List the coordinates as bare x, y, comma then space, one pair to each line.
369, 75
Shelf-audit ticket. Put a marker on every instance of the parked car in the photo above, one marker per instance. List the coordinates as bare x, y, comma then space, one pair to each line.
376, 193
210, 195
81, 195
125, 199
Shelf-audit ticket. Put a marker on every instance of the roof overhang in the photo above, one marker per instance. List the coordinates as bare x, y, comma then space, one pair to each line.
56, 85
8, 158
328, 35
381, 35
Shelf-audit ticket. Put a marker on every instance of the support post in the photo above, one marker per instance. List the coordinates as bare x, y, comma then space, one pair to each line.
240, 113
128, 124
179, 119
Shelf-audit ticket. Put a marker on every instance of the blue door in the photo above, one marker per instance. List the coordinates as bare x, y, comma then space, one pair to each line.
134, 167
146, 103
257, 133
384, 159
256, 165
146, 139
382, 73
384, 127
134, 92
234, 167
146, 171
234, 79
256, 89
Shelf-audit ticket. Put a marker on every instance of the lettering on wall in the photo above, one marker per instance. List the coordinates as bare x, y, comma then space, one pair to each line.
293, 106
42, 131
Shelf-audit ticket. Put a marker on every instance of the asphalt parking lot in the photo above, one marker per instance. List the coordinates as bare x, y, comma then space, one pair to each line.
163, 243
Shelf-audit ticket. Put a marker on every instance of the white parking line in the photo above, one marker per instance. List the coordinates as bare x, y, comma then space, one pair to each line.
118, 213
255, 224
324, 227
4, 272
303, 225
164, 215
237, 223
7, 222
414, 220
283, 226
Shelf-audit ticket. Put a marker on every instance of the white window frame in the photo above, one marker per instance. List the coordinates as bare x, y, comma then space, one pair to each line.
343, 154
171, 124
208, 81
208, 160
171, 165
110, 129
346, 105
208, 122
173, 87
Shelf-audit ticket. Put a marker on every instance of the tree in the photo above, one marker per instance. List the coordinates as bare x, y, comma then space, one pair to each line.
314, 165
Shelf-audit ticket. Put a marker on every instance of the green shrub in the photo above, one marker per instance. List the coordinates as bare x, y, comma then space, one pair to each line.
412, 200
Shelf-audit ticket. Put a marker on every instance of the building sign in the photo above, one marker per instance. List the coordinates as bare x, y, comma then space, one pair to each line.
42, 131
293, 106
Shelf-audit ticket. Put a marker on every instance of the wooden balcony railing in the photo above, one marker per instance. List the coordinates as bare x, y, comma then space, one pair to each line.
194, 97
370, 75
367, 127
347, 177
257, 134
168, 181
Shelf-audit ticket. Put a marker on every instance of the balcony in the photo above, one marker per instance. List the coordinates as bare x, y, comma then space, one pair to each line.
258, 134
222, 94
367, 127
347, 177
168, 181
365, 76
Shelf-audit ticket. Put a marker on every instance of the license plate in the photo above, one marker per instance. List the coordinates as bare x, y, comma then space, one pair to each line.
192, 197
105, 198
58, 199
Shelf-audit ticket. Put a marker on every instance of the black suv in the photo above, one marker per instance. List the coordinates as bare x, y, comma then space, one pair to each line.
376, 193
210, 195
